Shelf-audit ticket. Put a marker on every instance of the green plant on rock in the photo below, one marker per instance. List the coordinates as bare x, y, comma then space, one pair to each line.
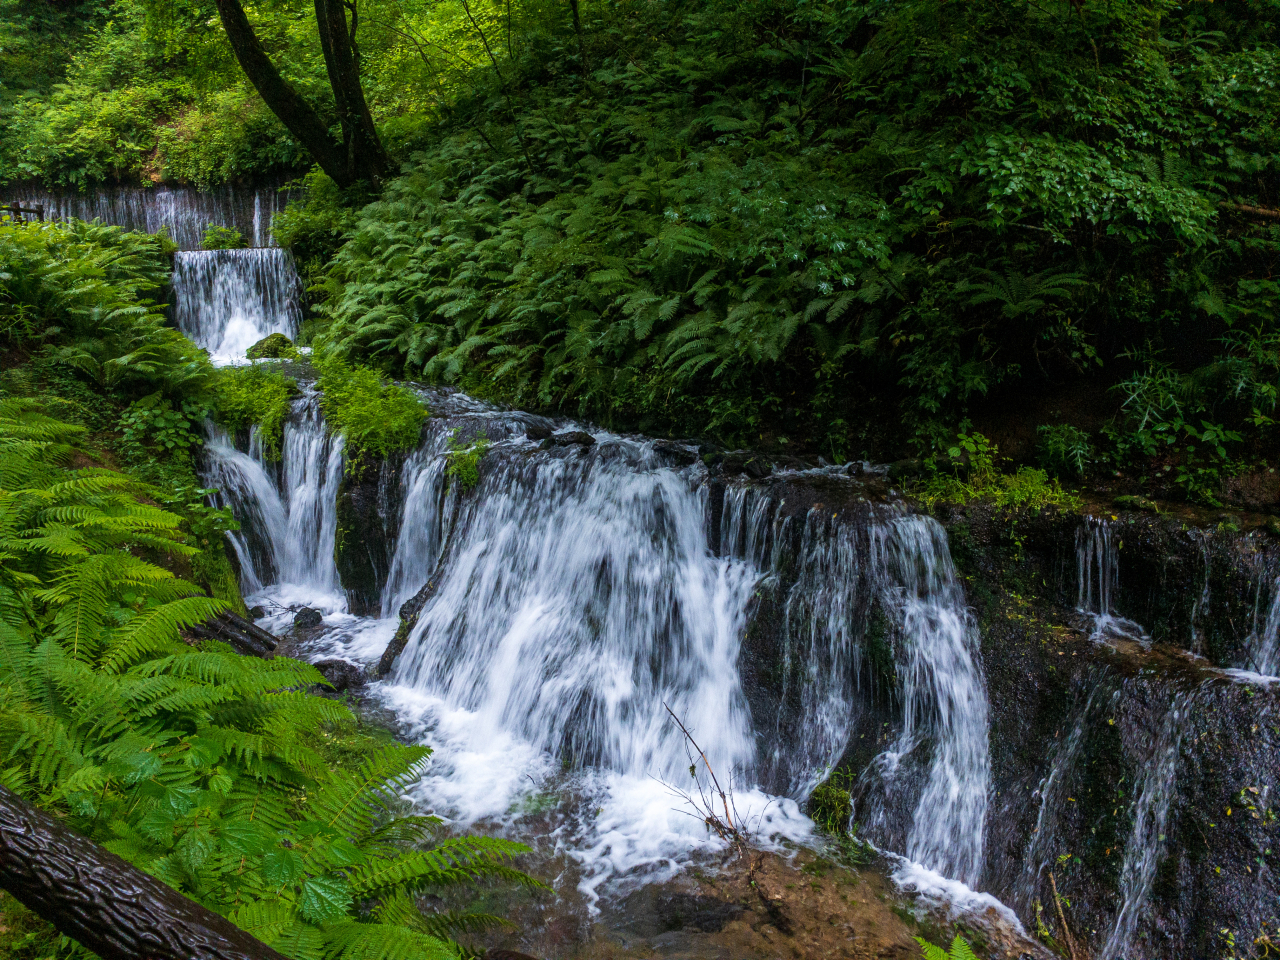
190, 761
222, 238
375, 418
255, 395
154, 424
960, 950
464, 459
977, 477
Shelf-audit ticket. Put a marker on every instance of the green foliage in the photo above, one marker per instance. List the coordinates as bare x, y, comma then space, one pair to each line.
254, 395
1027, 488
274, 346
375, 418
81, 292
1063, 450
464, 460
831, 804
154, 423
222, 238
960, 950
190, 761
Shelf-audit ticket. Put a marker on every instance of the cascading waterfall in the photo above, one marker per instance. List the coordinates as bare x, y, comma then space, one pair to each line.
944, 696
184, 212
422, 526
227, 300
1098, 579
288, 526
1264, 645
1145, 846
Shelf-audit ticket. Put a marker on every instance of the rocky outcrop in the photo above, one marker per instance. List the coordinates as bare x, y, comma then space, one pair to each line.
368, 520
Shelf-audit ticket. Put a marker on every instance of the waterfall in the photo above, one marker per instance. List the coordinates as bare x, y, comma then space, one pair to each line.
227, 300
1264, 645
1098, 580
182, 211
944, 697
422, 526
1145, 846
288, 526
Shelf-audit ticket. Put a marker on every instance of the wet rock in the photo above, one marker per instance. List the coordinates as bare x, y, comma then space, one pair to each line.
902, 469
676, 454
568, 439
1136, 503
307, 617
738, 462
341, 675
537, 431
271, 347
368, 517
257, 613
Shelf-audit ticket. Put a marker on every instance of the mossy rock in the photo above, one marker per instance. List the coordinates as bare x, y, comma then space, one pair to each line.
271, 347
1136, 503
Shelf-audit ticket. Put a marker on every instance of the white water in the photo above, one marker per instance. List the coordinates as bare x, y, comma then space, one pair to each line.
1145, 846
293, 519
1264, 645
944, 697
185, 213
1098, 579
228, 300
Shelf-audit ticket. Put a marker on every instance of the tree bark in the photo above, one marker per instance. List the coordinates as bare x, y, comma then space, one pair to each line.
361, 155
247, 637
106, 904
342, 61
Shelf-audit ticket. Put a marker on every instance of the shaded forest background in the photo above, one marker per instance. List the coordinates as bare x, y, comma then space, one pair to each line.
840, 229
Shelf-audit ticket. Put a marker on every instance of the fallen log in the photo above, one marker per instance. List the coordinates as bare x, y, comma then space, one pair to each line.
247, 637
105, 903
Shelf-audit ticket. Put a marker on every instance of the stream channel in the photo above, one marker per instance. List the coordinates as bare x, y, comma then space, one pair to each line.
1116, 741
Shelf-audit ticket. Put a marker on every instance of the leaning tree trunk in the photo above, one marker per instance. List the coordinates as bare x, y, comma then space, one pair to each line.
360, 156
107, 905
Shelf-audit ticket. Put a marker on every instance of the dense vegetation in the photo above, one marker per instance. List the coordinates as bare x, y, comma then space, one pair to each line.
846, 228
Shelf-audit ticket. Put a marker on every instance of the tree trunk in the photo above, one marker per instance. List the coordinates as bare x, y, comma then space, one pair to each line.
342, 61
104, 903
361, 155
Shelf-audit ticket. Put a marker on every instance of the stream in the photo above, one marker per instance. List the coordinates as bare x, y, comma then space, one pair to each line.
583, 594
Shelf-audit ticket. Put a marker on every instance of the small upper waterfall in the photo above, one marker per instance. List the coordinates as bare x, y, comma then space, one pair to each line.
183, 212
1098, 580
228, 300
1264, 652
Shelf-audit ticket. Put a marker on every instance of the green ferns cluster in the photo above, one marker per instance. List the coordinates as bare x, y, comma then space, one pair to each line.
374, 418
254, 395
976, 477
191, 761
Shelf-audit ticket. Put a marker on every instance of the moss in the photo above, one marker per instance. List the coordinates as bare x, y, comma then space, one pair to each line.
464, 460
275, 346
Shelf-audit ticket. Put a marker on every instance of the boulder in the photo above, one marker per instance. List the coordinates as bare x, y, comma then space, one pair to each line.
271, 347
537, 431
341, 675
677, 454
308, 617
568, 439
257, 613
745, 461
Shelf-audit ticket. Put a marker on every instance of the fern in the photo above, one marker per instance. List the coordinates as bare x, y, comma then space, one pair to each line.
960, 950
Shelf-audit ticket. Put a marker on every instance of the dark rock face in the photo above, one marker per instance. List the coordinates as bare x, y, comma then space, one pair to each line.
271, 347
538, 431
568, 439
307, 617
1097, 750
341, 675
368, 521
257, 613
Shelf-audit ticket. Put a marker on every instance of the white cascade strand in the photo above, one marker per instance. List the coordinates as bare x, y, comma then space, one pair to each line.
183, 212
228, 300
1098, 580
944, 697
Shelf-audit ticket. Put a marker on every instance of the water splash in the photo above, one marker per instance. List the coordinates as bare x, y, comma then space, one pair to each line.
184, 212
1264, 644
228, 300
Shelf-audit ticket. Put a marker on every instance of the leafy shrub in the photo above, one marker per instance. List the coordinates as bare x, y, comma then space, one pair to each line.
254, 395
1026, 488
464, 460
192, 762
156, 423
1063, 449
374, 417
222, 238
